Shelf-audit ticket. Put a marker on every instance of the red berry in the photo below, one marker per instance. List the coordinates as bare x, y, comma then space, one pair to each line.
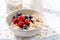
27, 22
21, 18
15, 20
20, 24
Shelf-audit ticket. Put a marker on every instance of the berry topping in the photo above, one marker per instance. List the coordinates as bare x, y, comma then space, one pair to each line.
30, 17
20, 24
26, 17
19, 14
31, 20
25, 26
21, 18
15, 20
15, 16
27, 22
22, 21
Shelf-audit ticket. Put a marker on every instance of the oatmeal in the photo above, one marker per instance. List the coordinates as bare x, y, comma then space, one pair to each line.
26, 22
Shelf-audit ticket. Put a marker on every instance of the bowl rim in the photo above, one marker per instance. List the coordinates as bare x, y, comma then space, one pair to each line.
23, 9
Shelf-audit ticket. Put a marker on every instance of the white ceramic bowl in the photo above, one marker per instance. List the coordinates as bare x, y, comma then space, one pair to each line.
21, 32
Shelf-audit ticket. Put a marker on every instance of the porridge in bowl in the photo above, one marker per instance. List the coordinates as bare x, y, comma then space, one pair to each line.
26, 22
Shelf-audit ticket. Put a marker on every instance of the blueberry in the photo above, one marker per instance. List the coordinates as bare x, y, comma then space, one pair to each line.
15, 16
26, 17
19, 14
25, 26
30, 16
31, 20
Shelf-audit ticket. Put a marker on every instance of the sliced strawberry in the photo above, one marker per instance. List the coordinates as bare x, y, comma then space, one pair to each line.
21, 18
15, 20
20, 24
27, 22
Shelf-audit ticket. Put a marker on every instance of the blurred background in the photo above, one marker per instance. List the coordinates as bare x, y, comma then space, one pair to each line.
47, 5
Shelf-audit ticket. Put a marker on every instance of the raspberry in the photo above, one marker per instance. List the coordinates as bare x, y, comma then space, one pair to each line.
27, 22
15, 20
21, 18
20, 24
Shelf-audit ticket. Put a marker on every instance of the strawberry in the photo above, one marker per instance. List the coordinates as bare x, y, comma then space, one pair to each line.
21, 18
15, 20
20, 24
27, 22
